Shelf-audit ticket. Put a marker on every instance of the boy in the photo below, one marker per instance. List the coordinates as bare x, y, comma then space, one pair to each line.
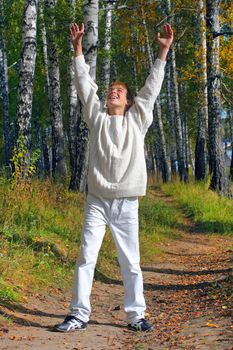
116, 177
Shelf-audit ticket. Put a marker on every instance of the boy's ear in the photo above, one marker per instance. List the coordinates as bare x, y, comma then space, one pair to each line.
128, 105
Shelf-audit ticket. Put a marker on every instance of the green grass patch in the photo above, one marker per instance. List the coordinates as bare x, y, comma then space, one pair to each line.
8, 292
212, 213
40, 237
157, 221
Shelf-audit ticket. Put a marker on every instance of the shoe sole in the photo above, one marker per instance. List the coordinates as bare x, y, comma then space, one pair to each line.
70, 331
138, 330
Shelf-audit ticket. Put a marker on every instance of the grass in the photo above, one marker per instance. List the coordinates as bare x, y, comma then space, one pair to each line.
212, 213
40, 230
41, 224
158, 221
40, 236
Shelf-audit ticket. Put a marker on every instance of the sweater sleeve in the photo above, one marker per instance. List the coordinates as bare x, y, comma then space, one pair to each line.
145, 99
87, 90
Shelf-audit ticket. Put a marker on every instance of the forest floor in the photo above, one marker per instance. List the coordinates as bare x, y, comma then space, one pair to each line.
188, 294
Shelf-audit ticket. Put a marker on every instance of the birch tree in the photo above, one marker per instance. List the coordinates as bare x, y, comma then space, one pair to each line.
90, 45
158, 123
201, 147
74, 114
46, 133
55, 104
230, 113
176, 104
219, 180
106, 63
171, 118
46, 137
26, 73
4, 90
44, 42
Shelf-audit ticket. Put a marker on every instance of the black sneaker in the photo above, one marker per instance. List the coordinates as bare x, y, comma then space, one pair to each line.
70, 324
141, 325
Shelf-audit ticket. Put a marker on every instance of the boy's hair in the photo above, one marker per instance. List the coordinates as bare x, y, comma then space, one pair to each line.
130, 95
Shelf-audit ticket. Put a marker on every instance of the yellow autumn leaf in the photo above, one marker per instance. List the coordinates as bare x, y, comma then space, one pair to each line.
208, 324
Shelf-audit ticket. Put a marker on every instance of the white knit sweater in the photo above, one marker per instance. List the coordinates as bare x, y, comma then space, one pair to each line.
117, 166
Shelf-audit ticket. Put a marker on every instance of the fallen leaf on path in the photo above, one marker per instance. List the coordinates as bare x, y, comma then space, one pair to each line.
208, 324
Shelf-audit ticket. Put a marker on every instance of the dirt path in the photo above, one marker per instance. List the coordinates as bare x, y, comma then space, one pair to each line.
183, 296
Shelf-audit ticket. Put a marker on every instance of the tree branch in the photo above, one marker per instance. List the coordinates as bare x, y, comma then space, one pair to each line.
216, 34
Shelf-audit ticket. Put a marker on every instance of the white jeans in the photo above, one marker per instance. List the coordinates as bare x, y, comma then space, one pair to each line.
121, 215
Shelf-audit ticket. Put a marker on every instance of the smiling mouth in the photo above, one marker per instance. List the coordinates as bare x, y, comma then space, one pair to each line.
113, 98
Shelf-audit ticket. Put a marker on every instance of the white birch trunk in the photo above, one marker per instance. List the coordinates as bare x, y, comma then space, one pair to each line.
158, 123
182, 88
55, 103
90, 45
177, 118
171, 118
106, 63
161, 141
4, 88
44, 40
230, 113
45, 139
201, 147
90, 42
219, 180
26, 72
74, 115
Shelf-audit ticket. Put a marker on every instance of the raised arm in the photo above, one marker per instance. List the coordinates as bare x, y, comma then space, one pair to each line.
145, 99
86, 87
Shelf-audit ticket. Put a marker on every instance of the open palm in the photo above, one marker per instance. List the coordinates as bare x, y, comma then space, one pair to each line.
76, 34
166, 40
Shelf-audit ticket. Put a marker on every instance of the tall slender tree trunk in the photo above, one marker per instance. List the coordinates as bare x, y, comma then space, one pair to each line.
158, 123
219, 180
44, 41
26, 73
177, 118
106, 63
74, 115
37, 142
55, 103
161, 141
90, 45
230, 113
46, 139
184, 124
7, 132
171, 118
186, 142
201, 147
149, 155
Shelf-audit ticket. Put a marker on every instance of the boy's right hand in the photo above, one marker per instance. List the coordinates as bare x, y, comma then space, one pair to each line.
76, 35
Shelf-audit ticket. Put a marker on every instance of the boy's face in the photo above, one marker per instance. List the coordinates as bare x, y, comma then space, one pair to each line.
117, 96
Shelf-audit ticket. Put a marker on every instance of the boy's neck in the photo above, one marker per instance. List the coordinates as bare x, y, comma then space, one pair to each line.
116, 111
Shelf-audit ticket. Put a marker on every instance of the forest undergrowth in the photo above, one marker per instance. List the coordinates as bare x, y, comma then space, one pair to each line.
41, 223
211, 212
40, 236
